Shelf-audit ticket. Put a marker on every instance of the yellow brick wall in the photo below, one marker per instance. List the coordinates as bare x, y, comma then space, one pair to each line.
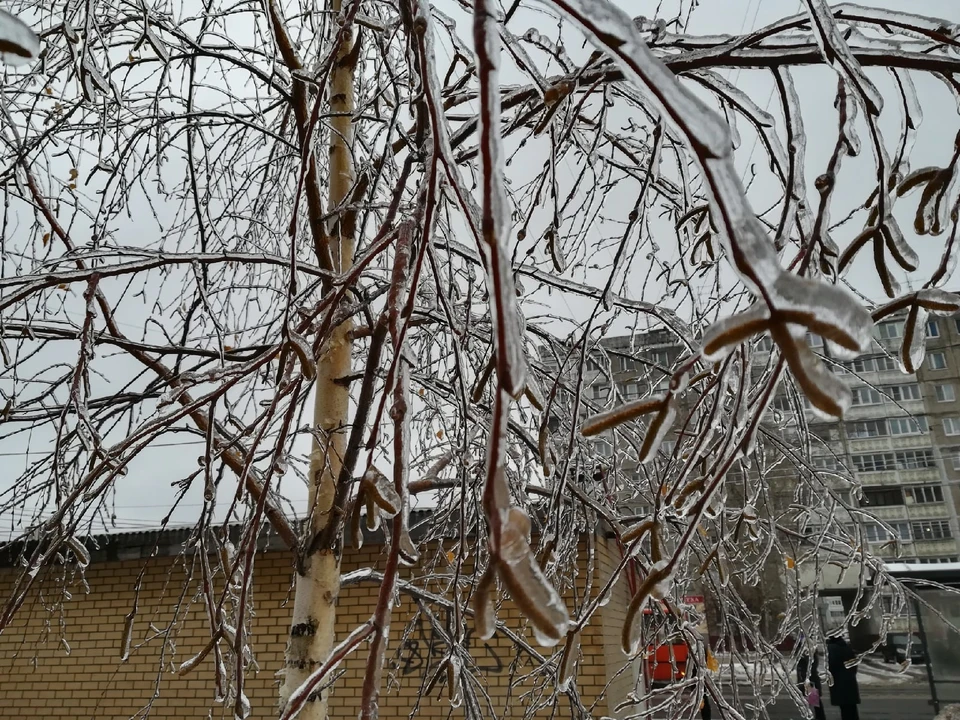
38, 678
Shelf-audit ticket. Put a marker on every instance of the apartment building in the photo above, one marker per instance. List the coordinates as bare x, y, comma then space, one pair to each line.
893, 452
894, 459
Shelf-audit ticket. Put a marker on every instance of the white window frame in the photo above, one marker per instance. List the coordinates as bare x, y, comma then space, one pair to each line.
951, 426
937, 361
945, 392
926, 494
935, 327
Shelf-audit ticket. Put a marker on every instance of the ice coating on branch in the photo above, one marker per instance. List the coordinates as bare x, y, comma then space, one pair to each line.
939, 301
484, 606
826, 392
838, 55
725, 335
611, 27
914, 339
658, 429
531, 591
18, 43
657, 582
596, 424
566, 670
80, 551
905, 255
495, 219
828, 310
909, 120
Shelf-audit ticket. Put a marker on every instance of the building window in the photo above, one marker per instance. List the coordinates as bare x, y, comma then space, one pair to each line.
951, 426
628, 363
826, 462
866, 395
867, 429
935, 560
874, 462
877, 363
882, 497
782, 403
631, 391
956, 322
902, 393
933, 329
602, 447
937, 361
890, 330
945, 393
932, 530
814, 341
599, 393
875, 532
925, 494
915, 459
952, 454
907, 425
765, 344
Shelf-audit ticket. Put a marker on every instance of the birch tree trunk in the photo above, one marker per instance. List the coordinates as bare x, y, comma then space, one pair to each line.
318, 576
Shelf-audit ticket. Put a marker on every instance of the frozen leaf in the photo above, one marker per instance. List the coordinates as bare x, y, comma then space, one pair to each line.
158, 47
18, 43
713, 665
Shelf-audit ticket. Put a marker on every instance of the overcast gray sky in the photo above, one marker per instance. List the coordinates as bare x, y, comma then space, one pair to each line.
145, 495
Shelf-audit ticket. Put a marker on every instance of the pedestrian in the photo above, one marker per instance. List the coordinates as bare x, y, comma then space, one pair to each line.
845, 691
808, 676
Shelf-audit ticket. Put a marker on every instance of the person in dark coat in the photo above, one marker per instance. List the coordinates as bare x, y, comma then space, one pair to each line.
807, 672
845, 691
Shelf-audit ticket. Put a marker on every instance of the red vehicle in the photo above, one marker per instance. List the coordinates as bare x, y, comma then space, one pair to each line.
667, 652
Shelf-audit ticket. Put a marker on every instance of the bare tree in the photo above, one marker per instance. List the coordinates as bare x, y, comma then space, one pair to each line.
219, 215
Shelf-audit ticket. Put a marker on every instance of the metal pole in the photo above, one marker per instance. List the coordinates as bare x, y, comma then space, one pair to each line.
926, 656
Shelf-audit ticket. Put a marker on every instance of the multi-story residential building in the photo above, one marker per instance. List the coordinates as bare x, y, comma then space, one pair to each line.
893, 462
892, 450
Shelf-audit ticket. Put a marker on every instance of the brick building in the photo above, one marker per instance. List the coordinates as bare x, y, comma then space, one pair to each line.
62, 655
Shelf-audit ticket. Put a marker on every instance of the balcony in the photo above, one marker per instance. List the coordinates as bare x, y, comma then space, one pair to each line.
935, 548
884, 409
928, 511
931, 474
890, 442
887, 512
889, 477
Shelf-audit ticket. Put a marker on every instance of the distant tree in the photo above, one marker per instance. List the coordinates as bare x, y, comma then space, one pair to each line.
423, 234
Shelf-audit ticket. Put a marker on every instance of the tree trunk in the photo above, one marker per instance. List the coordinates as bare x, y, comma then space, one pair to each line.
318, 578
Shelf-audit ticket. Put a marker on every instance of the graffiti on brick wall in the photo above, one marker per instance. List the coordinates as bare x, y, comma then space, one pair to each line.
424, 648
